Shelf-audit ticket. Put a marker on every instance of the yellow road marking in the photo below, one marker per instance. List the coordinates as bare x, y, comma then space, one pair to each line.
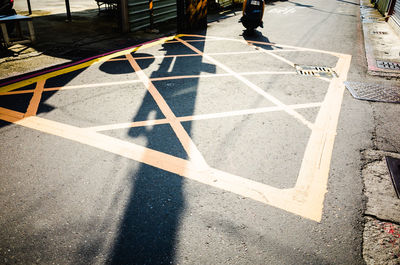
11, 113
180, 132
209, 176
35, 79
17, 92
312, 181
305, 199
37, 95
117, 59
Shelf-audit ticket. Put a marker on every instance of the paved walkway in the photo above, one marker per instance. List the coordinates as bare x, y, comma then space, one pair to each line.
54, 6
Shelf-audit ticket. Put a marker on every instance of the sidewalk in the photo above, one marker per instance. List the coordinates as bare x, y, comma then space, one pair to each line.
381, 239
58, 42
382, 44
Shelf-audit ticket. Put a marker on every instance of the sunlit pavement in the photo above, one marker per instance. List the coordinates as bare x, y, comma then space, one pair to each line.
188, 149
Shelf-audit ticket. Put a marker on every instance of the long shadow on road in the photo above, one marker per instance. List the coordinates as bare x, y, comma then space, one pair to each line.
149, 229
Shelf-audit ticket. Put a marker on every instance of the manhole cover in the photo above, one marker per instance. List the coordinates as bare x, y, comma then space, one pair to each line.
388, 65
316, 71
374, 92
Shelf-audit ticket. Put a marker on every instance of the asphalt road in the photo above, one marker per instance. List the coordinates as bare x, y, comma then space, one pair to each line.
193, 150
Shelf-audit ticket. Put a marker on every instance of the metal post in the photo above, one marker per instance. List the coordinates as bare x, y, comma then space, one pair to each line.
180, 4
29, 7
69, 18
5, 34
124, 16
31, 31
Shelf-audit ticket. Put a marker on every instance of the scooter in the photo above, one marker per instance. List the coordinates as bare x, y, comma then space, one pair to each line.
253, 11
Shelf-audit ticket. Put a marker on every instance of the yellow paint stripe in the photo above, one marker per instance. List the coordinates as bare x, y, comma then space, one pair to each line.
17, 92
11, 113
312, 181
209, 176
32, 80
8, 118
164, 56
35, 101
180, 132
253, 86
306, 199
117, 59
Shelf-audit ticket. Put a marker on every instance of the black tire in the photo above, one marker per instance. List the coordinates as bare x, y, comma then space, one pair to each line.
250, 31
6, 7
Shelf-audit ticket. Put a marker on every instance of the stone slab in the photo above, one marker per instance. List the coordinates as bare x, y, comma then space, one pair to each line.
381, 242
382, 201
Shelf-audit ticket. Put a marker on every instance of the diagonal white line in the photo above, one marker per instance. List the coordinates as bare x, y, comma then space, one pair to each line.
200, 117
257, 89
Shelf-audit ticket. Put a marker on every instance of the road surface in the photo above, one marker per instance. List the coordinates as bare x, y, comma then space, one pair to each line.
211, 148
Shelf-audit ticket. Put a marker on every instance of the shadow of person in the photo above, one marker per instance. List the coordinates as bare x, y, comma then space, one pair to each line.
256, 38
148, 232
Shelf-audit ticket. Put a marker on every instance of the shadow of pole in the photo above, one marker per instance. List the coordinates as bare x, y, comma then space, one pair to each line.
148, 232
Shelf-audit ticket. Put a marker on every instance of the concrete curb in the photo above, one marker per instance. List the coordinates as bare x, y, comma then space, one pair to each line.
381, 236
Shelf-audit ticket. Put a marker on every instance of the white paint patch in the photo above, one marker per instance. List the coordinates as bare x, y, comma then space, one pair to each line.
282, 11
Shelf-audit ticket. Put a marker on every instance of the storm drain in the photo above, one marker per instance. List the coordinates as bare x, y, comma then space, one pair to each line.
371, 19
317, 71
388, 65
379, 32
374, 92
394, 170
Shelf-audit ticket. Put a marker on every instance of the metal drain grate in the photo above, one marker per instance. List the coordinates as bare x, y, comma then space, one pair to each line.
374, 92
317, 71
388, 65
379, 32
371, 19
394, 169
